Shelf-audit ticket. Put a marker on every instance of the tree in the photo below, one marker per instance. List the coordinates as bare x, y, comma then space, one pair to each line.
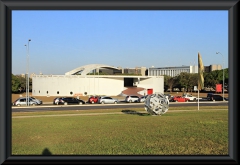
16, 84
184, 80
166, 79
193, 80
22, 81
226, 75
210, 80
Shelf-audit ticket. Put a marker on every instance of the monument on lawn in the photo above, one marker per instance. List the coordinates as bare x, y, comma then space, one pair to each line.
156, 104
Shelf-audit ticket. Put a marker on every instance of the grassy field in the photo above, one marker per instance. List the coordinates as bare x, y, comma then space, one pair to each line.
180, 131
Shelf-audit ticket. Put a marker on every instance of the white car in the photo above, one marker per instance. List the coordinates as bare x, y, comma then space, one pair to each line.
107, 100
131, 99
192, 98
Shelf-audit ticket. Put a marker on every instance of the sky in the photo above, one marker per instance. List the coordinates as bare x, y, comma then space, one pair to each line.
64, 40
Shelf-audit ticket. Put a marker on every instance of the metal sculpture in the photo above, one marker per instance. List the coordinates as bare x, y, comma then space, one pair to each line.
156, 104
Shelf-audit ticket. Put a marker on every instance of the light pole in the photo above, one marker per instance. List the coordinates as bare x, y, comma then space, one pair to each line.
223, 73
28, 74
26, 71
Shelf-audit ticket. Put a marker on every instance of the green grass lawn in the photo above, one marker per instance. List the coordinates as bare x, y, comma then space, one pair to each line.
121, 132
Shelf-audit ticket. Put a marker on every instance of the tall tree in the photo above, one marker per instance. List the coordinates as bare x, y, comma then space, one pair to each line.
22, 83
184, 80
193, 81
16, 84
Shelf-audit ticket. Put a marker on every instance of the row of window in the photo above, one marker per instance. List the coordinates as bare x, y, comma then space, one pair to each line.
57, 92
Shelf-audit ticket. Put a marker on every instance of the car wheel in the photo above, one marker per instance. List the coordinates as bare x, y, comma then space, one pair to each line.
115, 102
65, 103
130, 101
102, 102
186, 100
92, 102
80, 103
18, 105
176, 101
33, 104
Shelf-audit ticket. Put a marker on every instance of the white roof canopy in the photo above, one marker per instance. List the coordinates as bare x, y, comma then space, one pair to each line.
88, 68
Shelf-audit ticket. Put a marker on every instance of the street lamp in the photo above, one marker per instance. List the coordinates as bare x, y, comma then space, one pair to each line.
26, 71
223, 73
28, 74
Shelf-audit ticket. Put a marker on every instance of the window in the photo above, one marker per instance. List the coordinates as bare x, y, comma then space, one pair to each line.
71, 93
47, 92
57, 92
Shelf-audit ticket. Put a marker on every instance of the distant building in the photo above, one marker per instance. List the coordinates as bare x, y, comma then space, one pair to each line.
211, 68
23, 75
174, 71
136, 70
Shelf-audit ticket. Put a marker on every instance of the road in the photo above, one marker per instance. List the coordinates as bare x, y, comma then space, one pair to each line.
50, 107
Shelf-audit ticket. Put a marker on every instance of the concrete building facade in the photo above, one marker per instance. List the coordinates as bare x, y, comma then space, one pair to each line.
174, 71
73, 83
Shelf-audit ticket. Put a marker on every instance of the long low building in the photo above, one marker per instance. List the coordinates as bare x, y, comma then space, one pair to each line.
84, 84
72, 85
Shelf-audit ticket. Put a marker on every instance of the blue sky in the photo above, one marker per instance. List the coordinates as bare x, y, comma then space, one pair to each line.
64, 40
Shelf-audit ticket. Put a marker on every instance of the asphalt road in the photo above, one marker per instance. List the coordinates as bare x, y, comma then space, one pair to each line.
50, 107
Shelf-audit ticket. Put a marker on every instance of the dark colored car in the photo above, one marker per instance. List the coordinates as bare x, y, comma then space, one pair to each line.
215, 97
209, 95
93, 99
68, 100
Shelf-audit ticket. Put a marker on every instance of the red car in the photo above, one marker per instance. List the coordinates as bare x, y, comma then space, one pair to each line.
93, 99
180, 99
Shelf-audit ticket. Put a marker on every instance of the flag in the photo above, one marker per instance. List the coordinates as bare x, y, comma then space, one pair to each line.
200, 72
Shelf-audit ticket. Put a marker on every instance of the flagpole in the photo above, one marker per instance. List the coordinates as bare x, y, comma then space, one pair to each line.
198, 99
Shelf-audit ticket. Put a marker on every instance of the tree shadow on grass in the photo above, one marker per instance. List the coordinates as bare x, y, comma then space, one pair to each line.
46, 152
132, 112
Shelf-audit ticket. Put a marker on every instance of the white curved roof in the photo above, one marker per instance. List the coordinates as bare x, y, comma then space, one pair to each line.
88, 68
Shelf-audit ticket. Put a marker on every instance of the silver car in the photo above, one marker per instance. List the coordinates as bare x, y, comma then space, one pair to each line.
107, 100
142, 99
37, 100
23, 101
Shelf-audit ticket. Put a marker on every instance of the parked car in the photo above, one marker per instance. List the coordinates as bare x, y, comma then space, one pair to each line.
131, 99
107, 100
142, 99
180, 99
58, 100
23, 101
93, 99
168, 96
68, 100
209, 95
37, 100
215, 97
190, 97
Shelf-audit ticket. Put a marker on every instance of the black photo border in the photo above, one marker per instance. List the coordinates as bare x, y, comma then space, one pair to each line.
6, 7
